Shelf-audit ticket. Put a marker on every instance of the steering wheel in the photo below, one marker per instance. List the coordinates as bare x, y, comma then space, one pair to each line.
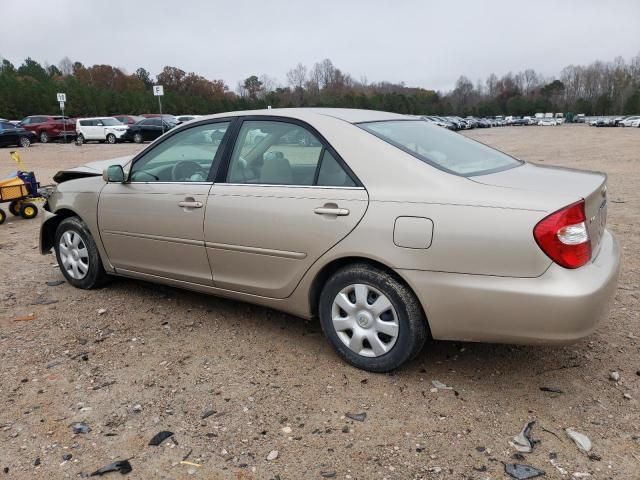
185, 169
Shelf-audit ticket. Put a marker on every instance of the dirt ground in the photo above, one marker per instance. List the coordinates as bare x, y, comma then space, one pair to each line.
164, 359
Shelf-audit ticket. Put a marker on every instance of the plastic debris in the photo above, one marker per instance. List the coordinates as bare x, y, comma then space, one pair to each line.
522, 472
55, 283
440, 385
102, 311
328, 474
160, 437
80, 427
615, 376
522, 442
192, 464
273, 454
122, 466
358, 417
561, 470
26, 318
581, 440
551, 389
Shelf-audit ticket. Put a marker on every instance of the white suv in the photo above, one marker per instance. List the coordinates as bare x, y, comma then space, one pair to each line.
628, 122
102, 129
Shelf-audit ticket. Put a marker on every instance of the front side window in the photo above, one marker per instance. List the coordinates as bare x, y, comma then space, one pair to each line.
185, 157
445, 150
282, 153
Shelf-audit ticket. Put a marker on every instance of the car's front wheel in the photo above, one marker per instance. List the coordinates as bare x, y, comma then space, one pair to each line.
44, 137
137, 138
373, 320
77, 255
25, 142
111, 138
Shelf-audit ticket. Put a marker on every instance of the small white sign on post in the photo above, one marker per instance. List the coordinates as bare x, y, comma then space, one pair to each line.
62, 97
158, 90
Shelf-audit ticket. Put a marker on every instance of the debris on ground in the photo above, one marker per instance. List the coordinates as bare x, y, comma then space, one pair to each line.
581, 440
55, 283
26, 318
122, 466
358, 417
440, 385
207, 414
102, 311
522, 442
551, 389
627, 396
522, 472
614, 376
328, 474
273, 454
80, 427
160, 437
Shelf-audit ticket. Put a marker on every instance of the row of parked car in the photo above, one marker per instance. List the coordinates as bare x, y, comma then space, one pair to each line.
625, 121
119, 128
458, 123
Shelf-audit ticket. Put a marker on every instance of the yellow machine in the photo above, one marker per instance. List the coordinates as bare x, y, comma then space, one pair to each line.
20, 189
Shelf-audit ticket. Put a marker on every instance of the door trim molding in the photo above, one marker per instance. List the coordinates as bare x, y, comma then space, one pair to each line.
257, 250
159, 238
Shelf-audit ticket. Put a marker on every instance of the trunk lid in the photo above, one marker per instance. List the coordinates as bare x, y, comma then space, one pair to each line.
568, 185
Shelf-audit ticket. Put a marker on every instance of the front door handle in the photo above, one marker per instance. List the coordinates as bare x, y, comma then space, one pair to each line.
186, 204
339, 212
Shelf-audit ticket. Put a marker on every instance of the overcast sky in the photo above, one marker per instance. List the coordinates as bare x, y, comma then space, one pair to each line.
423, 43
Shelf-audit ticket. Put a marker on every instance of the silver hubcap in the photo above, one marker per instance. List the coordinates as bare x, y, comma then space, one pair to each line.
74, 255
365, 320
25, 142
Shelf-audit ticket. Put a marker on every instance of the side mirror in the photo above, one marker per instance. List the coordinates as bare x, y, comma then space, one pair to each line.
113, 174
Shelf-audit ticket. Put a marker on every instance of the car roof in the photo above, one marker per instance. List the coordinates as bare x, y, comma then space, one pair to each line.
350, 115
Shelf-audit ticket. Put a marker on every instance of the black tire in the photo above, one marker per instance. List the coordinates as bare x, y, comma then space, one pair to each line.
3, 216
14, 208
413, 328
24, 142
95, 276
137, 137
111, 138
44, 137
28, 210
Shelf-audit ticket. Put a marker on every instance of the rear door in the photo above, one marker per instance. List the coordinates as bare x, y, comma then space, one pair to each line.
152, 129
284, 198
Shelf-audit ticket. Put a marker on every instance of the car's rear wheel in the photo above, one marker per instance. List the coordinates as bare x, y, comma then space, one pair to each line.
111, 138
25, 142
137, 137
372, 320
80, 139
44, 137
77, 255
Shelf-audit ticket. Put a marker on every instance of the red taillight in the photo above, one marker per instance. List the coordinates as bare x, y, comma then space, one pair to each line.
563, 236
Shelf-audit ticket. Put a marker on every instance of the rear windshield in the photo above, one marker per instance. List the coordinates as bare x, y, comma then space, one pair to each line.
441, 148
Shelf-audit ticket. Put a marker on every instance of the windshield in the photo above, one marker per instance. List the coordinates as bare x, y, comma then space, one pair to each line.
110, 122
436, 146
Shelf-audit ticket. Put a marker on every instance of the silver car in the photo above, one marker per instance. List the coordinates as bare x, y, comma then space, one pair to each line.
387, 228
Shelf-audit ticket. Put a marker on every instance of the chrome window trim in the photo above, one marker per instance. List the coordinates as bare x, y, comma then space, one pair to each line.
288, 186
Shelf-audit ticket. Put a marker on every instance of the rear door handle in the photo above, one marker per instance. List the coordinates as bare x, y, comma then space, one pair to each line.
190, 204
339, 212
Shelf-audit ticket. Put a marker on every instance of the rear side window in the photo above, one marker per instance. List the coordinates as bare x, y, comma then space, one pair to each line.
332, 174
85, 123
445, 150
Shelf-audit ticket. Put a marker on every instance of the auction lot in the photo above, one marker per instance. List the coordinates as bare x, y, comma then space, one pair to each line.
235, 382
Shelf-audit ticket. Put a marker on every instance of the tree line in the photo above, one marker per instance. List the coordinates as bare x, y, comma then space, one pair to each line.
601, 88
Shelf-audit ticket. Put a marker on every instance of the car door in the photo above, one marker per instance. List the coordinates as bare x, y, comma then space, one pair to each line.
152, 129
152, 224
97, 129
283, 199
8, 135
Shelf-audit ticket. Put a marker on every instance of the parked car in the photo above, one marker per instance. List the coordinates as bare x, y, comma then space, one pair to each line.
148, 129
547, 122
186, 118
11, 134
50, 127
422, 231
635, 123
128, 119
626, 122
101, 129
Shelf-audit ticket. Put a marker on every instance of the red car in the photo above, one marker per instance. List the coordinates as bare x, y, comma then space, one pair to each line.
50, 127
128, 119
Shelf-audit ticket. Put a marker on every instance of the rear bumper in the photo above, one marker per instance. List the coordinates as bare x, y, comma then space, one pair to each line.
560, 306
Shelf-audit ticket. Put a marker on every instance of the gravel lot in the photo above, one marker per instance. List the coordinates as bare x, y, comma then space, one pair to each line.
164, 359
